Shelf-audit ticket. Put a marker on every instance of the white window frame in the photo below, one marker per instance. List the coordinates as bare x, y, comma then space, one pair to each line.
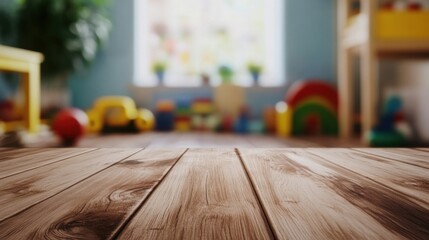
274, 60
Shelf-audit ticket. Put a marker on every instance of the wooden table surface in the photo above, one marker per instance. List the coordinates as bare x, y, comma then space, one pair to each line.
203, 193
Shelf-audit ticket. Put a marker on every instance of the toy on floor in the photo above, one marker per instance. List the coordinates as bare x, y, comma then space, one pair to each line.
270, 119
283, 119
7, 110
242, 122
145, 120
117, 114
227, 123
392, 130
204, 117
315, 107
183, 116
165, 115
256, 126
228, 99
70, 124
10, 139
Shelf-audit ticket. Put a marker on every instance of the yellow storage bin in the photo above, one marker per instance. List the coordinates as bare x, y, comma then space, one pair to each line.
402, 25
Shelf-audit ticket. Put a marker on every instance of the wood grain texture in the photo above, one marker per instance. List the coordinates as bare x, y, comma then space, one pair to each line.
17, 162
396, 212
228, 140
12, 153
306, 197
422, 149
407, 179
216, 193
197, 140
206, 196
118, 140
405, 155
23, 190
97, 207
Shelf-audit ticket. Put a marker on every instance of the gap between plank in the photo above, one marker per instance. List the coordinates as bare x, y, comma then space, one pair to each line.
257, 196
83, 179
49, 163
117, 232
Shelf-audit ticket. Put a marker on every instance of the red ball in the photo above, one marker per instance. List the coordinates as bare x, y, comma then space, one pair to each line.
69, 124
414, 6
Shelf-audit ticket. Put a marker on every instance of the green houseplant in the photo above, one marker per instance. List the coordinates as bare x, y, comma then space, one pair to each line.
68, 33
226, 73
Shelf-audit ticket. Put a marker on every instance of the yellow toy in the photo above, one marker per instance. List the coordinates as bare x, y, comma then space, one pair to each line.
283, 119
118, 112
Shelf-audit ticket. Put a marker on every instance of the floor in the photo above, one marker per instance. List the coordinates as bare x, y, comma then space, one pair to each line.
195, 139
213, 193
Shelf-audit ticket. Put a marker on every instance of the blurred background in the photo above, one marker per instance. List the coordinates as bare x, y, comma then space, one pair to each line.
349, 71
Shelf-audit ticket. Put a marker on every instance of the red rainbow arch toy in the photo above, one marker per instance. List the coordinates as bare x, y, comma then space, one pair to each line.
315, 107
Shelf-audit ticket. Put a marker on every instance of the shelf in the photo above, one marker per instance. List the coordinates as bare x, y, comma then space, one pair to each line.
373, 34
394, 32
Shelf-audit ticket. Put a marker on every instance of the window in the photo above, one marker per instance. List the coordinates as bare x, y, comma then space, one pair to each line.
195, 37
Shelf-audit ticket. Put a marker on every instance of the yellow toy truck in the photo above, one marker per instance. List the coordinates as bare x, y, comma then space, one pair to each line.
118, 113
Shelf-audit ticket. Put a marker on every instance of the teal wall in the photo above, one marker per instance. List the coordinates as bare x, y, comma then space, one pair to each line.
310, 52
310, 39
112, 72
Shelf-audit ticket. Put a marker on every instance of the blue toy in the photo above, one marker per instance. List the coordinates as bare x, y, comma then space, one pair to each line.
164, 121
391, 130
242, 122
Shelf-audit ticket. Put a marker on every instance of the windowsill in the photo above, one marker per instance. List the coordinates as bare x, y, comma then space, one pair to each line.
184, 87
258, 97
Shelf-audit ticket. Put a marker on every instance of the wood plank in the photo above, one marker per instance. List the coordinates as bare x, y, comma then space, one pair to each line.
36, 158
205, 139
422, 149
308, 198
225, 140
97, 207
408, 156
272, 141
138, 140
5, 149
206, 196
163, 139
408, 179
12, 153
26, 189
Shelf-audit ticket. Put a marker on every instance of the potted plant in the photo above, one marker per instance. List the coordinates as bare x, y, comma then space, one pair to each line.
159, 68
255, 71
226, 73
68, 33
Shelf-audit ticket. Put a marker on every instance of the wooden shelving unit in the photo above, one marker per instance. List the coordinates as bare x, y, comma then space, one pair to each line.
373, 34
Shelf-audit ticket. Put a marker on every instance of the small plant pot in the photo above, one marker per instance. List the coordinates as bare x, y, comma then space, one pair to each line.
255, 77
160, 76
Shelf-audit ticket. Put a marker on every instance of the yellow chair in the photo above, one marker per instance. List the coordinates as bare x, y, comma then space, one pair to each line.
28, 64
